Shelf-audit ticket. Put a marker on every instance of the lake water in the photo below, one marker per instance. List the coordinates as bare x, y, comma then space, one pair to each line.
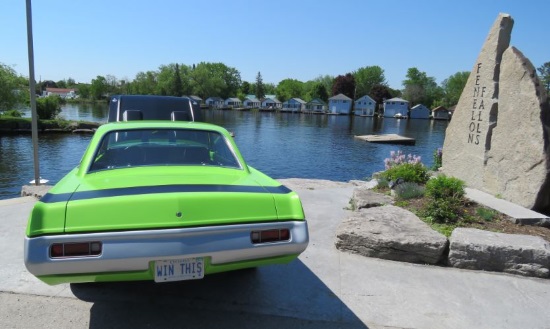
282, 145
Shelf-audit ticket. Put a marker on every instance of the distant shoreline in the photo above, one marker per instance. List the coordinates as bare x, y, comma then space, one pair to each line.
17, 126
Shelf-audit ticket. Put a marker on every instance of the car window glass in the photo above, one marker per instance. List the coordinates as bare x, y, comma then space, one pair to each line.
163, 147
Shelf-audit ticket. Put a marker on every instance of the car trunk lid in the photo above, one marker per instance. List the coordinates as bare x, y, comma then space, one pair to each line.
108, 202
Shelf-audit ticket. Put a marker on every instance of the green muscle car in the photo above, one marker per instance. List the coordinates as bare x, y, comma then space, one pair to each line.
162, 201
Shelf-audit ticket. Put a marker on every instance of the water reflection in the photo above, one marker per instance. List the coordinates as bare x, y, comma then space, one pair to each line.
280, 144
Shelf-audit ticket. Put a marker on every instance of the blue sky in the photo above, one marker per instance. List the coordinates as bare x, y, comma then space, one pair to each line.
299, 39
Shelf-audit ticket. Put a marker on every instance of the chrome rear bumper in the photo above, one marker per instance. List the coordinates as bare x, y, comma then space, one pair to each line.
134, 250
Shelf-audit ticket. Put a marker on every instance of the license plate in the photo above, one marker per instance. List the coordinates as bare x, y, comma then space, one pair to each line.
179, 269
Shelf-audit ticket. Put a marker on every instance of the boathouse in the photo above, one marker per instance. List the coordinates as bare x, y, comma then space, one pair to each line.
440, 113
294, 105
316, 105
394, 106
365, 106
420, 111
339, 104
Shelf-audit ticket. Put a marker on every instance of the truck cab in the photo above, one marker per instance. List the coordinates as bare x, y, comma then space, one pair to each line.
147, 107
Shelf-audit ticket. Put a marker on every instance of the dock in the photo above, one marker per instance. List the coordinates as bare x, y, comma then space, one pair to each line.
388, 139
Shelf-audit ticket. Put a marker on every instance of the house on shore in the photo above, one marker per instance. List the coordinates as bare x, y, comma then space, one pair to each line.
214, 102
196, 99
294, 105
62, 92
316, 105
395, 106
271, 104
233, 102
365, 106
339, 104
440, 113
420, 111
252, 103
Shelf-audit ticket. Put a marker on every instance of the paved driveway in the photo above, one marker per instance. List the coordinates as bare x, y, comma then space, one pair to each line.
324, 288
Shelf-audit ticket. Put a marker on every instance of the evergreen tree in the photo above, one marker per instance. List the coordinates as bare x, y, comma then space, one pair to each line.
260, 91
319, 91
544, 74
177, 82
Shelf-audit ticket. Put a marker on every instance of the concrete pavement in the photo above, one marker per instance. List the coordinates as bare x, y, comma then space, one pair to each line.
324, 288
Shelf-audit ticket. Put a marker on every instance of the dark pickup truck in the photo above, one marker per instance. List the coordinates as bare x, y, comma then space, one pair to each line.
146, 107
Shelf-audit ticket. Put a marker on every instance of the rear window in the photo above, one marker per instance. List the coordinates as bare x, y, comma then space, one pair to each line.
163, 147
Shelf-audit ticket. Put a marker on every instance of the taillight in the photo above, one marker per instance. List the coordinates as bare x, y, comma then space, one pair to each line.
78, 249
270, 235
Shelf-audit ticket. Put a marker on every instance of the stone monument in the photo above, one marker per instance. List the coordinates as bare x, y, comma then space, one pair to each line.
497, 140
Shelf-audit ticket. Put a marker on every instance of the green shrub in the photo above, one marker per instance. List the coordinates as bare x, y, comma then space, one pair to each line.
414, 173
446, 210
409, 190
12, 113
382, 182
48, 107
445, 187
486, 214
445, 195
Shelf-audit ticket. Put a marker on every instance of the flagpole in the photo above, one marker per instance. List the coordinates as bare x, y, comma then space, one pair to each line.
34, 125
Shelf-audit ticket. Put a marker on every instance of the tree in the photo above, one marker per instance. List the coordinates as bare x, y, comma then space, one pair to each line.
319, 91
544, 72
177, 86
289, 88
453, 87
112, 84
326, 80
420, 88
48, 108
11, 88
45, 84
145, 83
207, 83
260, 91
366, 78
380, 93
245, 88
344, 84
165, 80
215, 79
270, 88
61, 84
84, 90
99, 87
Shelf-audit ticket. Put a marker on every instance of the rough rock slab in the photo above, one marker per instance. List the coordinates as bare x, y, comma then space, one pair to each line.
393, 233
35, 191
498, 140
489, 251
468, 135
517, 166
518, 214
365, 198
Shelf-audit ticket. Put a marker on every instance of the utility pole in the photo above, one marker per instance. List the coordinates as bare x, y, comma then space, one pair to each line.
34, 125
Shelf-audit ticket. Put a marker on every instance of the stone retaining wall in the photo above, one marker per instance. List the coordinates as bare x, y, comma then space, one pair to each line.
389, 232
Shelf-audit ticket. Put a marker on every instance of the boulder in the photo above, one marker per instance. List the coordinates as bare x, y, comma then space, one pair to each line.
489, 251
497, 141
469, 133
393, 233
516, 165
365, 198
